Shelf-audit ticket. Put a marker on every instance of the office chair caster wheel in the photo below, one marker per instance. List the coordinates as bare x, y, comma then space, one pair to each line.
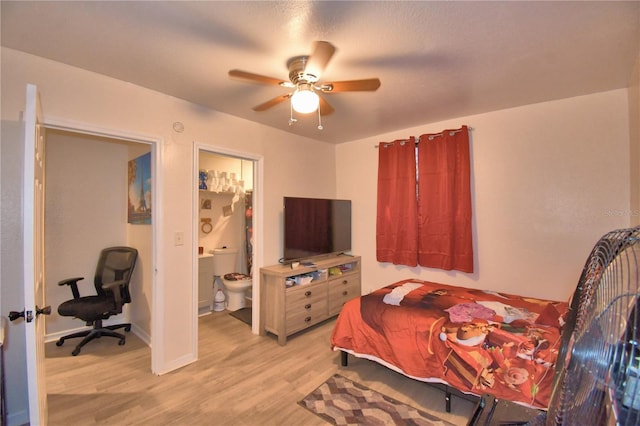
121, 342
75, 352
127, 328
60, 342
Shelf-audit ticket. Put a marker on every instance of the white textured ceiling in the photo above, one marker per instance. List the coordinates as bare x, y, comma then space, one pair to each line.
436, 60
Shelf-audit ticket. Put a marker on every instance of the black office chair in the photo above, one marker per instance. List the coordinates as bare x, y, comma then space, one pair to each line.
114, 270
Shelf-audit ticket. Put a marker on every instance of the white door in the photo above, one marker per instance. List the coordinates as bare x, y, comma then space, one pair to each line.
34, 292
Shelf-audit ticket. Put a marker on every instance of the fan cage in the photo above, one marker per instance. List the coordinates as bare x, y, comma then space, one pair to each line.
601, 381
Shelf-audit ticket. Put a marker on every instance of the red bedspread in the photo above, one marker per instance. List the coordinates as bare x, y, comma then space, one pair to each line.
476, 341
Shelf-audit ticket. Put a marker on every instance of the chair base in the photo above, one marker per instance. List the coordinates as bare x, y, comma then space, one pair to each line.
95, 333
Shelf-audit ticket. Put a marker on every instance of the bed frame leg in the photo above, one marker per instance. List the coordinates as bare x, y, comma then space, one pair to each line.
344, 358
447, 399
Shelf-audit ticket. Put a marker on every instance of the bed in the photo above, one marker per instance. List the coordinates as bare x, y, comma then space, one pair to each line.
475, 341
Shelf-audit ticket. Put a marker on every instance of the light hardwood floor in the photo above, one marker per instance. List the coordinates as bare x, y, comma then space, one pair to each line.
239, 379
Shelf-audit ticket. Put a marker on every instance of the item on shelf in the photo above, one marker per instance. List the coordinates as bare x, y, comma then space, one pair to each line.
335, 270
320, 274
203, 179
303, 279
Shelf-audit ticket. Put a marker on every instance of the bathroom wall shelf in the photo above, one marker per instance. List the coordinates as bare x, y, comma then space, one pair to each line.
293, 299
207, 192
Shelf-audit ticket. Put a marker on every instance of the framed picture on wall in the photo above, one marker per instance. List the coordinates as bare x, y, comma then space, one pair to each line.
139, 211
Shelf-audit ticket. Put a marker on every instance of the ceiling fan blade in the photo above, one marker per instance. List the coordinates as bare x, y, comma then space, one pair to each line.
325, 108
244, 75
369, 84
272, 102
319, 58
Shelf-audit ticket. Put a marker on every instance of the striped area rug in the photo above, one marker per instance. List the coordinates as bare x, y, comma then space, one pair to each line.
341, 401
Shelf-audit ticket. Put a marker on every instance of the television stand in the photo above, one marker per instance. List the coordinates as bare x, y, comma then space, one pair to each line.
292, 300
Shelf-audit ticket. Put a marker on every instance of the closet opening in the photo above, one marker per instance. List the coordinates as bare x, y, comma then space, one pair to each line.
87, 197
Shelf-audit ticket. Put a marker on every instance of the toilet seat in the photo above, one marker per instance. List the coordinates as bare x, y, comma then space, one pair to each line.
236, 276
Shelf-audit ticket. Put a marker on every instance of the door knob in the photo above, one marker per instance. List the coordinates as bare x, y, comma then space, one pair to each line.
27, 315
14, 315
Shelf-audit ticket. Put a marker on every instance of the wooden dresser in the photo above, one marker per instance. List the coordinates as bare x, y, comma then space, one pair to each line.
292, 299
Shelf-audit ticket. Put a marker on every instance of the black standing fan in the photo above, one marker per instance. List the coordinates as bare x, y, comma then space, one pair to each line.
597, 376
601, 382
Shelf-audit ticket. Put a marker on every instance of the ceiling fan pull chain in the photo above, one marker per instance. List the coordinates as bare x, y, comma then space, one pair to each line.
319, 119
291, 119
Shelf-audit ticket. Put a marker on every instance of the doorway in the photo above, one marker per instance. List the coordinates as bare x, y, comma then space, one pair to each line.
86, 210
226, 213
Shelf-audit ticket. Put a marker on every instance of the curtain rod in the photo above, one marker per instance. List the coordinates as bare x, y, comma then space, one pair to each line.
431, 137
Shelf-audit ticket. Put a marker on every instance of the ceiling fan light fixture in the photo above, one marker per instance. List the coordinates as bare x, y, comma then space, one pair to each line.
305, 100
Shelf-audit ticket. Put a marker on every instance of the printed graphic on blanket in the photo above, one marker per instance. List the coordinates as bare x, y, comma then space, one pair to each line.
477, 341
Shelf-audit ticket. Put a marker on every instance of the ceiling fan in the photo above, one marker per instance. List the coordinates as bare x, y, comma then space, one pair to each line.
304, 75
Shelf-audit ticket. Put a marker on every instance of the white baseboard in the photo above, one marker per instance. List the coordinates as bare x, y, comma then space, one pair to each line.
143, 335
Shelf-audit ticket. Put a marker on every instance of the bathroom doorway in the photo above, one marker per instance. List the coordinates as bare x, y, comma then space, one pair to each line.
225, 206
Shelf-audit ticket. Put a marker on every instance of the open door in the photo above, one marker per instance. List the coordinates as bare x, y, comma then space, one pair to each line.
34, 291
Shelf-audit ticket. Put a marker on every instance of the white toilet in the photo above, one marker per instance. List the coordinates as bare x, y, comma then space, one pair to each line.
236, 284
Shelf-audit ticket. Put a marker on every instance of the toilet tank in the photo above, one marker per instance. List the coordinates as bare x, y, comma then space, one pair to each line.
224, 261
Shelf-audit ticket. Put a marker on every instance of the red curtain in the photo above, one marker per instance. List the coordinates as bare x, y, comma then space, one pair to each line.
444, 201
397, 216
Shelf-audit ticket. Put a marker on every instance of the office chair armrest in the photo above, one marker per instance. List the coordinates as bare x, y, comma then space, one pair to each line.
114, 288
73, 282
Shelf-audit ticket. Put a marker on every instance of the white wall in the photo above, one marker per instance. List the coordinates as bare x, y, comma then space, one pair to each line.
140, 236
72, 95
547, 181
227, 230
85, 211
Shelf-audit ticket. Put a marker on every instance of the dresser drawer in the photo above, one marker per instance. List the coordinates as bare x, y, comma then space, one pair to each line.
305, 315
341, 291
299, 294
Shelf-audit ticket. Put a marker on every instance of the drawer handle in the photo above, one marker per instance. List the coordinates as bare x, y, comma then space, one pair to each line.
344, 293
344, 281
307, 293
307, 306
307, 319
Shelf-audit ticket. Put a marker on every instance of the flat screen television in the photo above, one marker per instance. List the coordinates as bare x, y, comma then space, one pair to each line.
315, 226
